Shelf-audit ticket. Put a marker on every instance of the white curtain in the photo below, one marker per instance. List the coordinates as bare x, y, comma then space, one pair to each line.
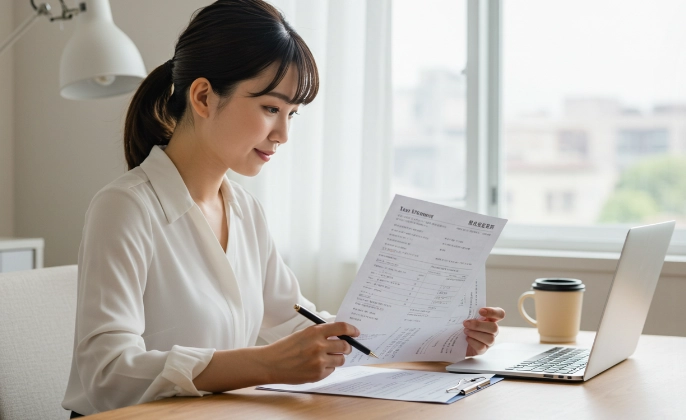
327, 190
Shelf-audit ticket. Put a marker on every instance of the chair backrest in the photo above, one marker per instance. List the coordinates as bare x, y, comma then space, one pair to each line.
37, 313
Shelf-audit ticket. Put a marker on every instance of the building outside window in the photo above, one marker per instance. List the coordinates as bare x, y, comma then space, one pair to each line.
593, 121
599, 113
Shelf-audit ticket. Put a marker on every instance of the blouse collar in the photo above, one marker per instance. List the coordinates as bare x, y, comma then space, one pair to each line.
172, 191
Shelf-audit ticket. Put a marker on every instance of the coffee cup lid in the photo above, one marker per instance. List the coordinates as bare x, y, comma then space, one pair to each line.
558, 285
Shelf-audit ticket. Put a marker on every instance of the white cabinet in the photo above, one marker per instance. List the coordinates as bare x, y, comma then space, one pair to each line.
17, 254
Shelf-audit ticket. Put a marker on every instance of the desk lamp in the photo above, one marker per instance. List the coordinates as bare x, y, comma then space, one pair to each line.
99, 60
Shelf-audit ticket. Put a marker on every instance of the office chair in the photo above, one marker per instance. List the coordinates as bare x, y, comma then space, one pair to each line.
37, 312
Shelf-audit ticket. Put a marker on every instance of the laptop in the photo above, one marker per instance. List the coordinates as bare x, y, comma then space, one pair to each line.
620, 327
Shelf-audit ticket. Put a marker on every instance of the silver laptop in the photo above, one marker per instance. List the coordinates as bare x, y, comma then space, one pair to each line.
620, 327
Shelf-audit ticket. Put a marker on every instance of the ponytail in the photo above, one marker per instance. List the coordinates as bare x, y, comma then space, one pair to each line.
149, 121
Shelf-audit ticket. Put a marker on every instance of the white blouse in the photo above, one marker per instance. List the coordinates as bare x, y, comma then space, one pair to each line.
157, 294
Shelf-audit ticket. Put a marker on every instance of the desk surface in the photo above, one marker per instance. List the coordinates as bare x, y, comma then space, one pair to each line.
650, 384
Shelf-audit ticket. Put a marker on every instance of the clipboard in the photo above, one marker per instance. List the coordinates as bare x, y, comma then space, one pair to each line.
462, 395
393, 384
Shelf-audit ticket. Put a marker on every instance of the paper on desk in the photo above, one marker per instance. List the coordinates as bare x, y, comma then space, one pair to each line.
389, 384
422, 277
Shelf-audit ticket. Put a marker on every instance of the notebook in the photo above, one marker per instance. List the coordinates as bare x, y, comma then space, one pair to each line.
626, 309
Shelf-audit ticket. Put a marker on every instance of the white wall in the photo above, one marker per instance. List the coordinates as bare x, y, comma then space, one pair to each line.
6, 124
67, 150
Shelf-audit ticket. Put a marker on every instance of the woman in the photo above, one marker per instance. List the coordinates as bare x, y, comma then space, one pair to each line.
176, 260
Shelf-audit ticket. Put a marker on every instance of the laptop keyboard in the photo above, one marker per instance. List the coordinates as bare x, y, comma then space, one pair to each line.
556, 360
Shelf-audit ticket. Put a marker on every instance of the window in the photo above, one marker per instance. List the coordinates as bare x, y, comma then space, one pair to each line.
635, 144
429, 99
560, 202
593, 112
570, 124
572, 144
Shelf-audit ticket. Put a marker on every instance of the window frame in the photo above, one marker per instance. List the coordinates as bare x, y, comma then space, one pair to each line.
484, 160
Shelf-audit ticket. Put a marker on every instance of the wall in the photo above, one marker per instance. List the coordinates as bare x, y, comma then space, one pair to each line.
65, 151
6, 123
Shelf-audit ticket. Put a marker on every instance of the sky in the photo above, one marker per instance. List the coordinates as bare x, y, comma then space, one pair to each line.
632, 50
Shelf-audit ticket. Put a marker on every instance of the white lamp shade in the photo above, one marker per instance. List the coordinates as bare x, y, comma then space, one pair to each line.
99, 60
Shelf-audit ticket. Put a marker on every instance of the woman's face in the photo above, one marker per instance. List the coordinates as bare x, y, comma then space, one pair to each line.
246, 132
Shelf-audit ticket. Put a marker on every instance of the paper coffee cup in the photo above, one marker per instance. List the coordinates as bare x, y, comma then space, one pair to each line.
558, 308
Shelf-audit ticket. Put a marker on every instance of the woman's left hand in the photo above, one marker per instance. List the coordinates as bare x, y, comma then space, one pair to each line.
481, 332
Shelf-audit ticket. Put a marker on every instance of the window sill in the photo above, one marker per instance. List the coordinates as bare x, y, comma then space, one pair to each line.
581, 261
575, 239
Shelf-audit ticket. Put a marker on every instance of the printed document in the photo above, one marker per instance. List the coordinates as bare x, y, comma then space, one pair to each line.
389, 384
422, 277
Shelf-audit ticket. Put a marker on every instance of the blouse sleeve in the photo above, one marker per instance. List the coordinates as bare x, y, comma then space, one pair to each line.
281, 291
113, 365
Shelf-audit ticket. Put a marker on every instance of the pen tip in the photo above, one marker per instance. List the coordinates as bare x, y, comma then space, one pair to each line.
371, 353
296, 307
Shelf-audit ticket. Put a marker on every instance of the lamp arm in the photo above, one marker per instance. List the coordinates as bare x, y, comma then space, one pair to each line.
43, 9
68, 13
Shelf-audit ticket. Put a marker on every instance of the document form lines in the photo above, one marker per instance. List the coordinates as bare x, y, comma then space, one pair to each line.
392, 271
455, 276
416, 291
420, 283
440, 286
424, 262
392, 275
408, 292
402, 294
410, 267
428, 222
410, 303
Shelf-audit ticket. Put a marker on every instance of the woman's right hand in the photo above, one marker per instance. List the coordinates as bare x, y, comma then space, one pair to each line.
308, 355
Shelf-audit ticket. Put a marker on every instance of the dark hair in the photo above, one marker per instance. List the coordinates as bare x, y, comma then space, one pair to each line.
226, 42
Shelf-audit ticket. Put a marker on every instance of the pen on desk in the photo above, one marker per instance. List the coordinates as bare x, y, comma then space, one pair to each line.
317, 320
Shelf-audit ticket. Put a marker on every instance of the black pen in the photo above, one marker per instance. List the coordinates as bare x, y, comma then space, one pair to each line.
317, 320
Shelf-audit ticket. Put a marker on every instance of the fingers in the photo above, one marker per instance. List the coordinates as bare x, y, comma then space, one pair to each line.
483, 338
496, 314
308, 355
328, 356
481, 332
335, 329
338, 347
326, 338
336, 360
482, 326
477, 346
